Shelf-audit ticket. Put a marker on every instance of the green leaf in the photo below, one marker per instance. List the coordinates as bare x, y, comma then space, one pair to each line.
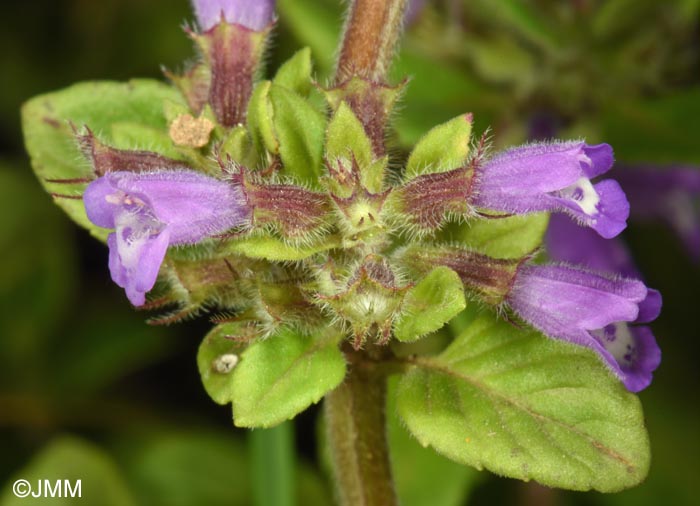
135, 136
217, 357
512, 237
282, 375
434, 301
238, 145
423, 478
527, 407
443, 148
346, 137
99, 105
72, 459
300, 130
295, 73
260, 119
275, 249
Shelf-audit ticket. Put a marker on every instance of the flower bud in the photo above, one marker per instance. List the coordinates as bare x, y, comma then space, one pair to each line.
253, 14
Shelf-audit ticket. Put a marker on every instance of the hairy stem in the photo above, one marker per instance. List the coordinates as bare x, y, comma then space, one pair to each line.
356, 426
369, 42
370, 37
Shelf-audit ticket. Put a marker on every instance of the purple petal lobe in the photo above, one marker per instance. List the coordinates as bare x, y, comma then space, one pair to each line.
601, 160
253, 14
631, 353
603, 206
99, 207
650, 307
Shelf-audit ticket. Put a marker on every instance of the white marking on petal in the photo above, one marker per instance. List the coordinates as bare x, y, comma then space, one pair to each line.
618, 340
584, 195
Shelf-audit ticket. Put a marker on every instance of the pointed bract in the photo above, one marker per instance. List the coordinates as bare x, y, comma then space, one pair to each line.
152, 210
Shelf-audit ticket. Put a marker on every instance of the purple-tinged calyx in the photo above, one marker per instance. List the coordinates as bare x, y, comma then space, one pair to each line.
489, 279
106, 159
593, 310
253, 14
670, 194
296, 213
232, 42
152, 210
425, 201
554, 177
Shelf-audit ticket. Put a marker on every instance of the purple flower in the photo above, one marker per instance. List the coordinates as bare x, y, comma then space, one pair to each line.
554, 177
592, 310
253, 14
151, 210
671, 194
568, 242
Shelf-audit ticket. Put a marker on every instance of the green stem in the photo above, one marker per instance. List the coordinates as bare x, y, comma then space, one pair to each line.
272, 455
356, 425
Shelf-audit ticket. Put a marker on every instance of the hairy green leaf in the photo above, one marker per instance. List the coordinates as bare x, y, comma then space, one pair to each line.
423, 478
272, 248
300, 130
217, 357
260, 119
346, 137
295, 73
528, 407
443, 148
282, 375
511, 237
434, 301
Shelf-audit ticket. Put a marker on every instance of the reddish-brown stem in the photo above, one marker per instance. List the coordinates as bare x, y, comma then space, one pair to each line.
356, 428
369, 42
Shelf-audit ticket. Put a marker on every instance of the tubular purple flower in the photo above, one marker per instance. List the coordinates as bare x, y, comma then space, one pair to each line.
591, 309
253, 14
554, 177
671, 194
152, 210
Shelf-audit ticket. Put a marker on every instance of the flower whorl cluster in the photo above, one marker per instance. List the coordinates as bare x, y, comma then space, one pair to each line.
293, 220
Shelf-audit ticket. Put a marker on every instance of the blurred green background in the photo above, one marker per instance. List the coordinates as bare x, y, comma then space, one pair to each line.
89, 391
